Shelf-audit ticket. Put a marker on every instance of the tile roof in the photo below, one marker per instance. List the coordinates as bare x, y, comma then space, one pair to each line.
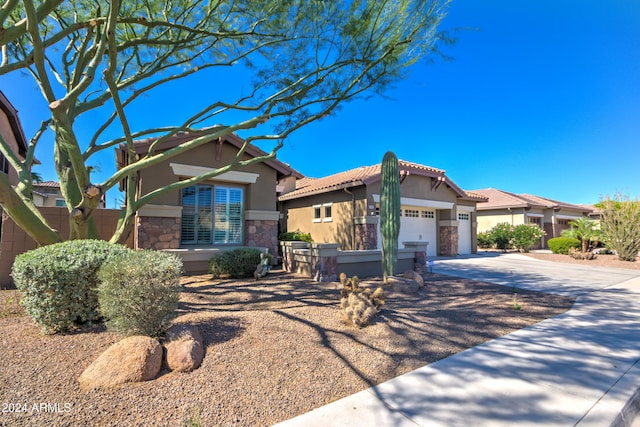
365, 175
498, 199
47, 184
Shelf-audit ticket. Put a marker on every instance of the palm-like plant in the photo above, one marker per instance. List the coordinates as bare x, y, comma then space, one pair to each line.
585, 229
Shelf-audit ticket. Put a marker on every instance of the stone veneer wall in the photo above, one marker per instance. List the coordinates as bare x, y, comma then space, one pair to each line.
448, 240
366, 236
158, 233
263, 234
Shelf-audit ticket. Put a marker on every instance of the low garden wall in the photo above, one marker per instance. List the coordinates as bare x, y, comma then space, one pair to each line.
324, 262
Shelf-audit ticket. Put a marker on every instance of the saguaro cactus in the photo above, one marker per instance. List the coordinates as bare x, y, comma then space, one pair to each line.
389, 213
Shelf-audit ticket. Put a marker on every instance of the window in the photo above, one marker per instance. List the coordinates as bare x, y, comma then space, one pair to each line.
463, 217
534, 220
211, 215
4, 164
428, 214
317, 213
411, 213
563, 222
327, 212
60, 203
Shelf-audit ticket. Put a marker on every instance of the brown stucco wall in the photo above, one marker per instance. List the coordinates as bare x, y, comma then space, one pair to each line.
417, 187
300, 215
14, 241
258, 196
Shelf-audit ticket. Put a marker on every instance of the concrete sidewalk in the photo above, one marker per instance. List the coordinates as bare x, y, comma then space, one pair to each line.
580, 368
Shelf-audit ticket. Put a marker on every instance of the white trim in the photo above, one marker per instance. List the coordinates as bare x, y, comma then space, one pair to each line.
324, 207
535, 215
568, 216
262, 215
160, 211
407, 201
232, 176
466, 208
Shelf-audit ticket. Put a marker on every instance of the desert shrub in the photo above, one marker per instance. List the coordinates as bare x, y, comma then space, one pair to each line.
502, 234
485, 240
620, 225
235, 264
561, 245
525, 236
359, 305
139, 291
296, 236
59, 281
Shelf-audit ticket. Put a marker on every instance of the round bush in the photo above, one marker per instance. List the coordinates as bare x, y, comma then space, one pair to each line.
139, 292
58, 282
561, 245
234, 264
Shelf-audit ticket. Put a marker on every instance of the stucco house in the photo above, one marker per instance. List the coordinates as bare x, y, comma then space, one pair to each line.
237, 208
13, 135
344, 208
49, 194
551, 215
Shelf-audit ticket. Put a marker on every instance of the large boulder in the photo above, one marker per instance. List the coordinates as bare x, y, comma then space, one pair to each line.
133, 359
184, 348
414, 275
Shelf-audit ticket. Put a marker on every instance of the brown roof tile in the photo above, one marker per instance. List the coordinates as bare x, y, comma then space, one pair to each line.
498, 199
365, 175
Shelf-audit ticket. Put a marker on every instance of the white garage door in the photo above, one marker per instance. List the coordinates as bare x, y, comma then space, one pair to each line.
417, 225
464, 233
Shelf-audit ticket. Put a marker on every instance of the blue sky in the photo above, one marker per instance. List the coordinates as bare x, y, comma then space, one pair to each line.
542, 97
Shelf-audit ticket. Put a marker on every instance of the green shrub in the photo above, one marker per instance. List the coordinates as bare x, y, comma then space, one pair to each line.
485, 240
139, 292
296, 236
561, 245
58, 282
525, 236
502, 234
234, 264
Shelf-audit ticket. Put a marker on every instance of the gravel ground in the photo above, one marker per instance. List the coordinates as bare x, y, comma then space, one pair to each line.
600, 260
274, 349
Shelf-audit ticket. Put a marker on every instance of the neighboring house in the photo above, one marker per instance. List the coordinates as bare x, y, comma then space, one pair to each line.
551, 215
47, 193
344, 209
13, 135
237, 208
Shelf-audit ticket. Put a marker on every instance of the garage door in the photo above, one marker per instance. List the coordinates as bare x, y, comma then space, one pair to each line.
417, 225
464, 233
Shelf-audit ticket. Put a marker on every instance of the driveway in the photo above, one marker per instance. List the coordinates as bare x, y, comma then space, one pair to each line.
529, 273
581, 368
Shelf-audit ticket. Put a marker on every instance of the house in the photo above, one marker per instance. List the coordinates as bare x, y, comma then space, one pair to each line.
48, 194
551, 215
234, 209
344, 208
13, 135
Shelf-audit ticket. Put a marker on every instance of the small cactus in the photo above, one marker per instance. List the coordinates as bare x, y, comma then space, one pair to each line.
360, 305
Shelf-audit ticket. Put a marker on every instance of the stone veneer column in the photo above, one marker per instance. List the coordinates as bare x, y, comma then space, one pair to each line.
420, 255
324, 262
158, 227
288, 260
448, 238
366, 229
261, 230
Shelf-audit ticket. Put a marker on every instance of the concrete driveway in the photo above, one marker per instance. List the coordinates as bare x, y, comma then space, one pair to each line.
581, 368
529, 273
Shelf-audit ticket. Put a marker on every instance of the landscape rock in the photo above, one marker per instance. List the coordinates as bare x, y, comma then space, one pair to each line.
133, 359
414, 275
184, 348
403, 285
